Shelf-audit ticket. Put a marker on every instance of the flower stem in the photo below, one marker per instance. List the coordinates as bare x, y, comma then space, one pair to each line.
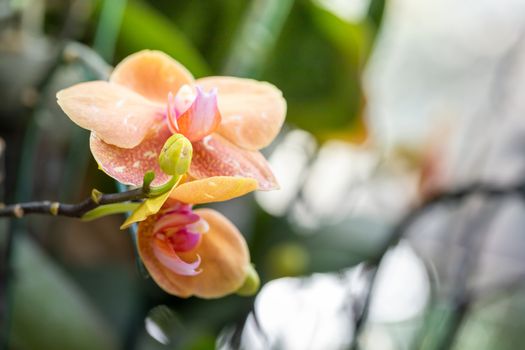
98, 204
77, 210
109, 209
157, 191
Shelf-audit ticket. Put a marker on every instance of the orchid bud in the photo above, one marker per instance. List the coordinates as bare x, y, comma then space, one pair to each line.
251, 283
175, 157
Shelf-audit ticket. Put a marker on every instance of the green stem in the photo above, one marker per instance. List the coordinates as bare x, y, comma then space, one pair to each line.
157, 191
109, 209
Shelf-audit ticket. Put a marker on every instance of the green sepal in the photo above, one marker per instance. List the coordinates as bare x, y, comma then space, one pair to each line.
251, 283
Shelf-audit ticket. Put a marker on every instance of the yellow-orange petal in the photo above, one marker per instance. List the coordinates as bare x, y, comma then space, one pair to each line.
147, 208
213, 189
225, 259
252, 112
215, 156
153, 74
128, 165
117, 115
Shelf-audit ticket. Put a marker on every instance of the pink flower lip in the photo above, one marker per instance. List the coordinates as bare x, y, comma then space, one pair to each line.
172, 261
184, 240
178, 230
174, 220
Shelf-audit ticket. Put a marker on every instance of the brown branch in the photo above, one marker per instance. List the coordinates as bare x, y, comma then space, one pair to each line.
71, 210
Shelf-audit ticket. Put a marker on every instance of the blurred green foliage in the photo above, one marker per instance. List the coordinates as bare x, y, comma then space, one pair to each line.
50, 312
312, 54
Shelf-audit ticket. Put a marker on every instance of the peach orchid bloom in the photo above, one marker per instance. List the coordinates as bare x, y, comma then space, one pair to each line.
150, 96
219, 260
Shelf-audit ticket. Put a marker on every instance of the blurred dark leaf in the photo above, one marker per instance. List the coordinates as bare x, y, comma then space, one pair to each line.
318, 67
376, 11
143, 27
23, 64
256, 37
49, 311
210, 25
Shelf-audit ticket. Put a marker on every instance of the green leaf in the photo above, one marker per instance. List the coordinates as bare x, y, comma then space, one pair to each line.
317, 63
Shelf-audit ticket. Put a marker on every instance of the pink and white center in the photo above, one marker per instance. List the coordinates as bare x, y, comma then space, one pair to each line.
177, 230
194, 114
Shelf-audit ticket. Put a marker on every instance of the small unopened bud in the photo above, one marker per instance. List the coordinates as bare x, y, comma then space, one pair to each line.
175, 157
96, 195
251, 283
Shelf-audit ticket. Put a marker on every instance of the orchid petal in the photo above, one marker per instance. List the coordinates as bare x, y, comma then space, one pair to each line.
167, 257
183, 99
225, 259
118, 116
152, 74
185, 240
252, 111
128, 166
175, 220
174, 206
213, 189
215, 156
201, 118
147, 208
200, 226
171, 114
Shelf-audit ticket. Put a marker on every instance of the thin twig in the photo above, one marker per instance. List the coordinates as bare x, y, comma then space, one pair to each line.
472, 239
71, 210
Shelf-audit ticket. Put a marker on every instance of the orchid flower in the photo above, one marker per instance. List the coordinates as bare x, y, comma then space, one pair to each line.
191, 252
150, 96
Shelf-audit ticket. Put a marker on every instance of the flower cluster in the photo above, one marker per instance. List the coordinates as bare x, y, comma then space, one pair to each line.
220, 123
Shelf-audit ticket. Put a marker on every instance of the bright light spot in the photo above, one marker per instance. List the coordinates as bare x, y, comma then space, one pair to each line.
252, 336
402, 288
161, 324
317, 312
156, 332
349, 10
387, 195
377, 338
304, 313
338, 168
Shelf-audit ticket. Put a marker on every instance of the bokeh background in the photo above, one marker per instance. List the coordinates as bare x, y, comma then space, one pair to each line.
390, 103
